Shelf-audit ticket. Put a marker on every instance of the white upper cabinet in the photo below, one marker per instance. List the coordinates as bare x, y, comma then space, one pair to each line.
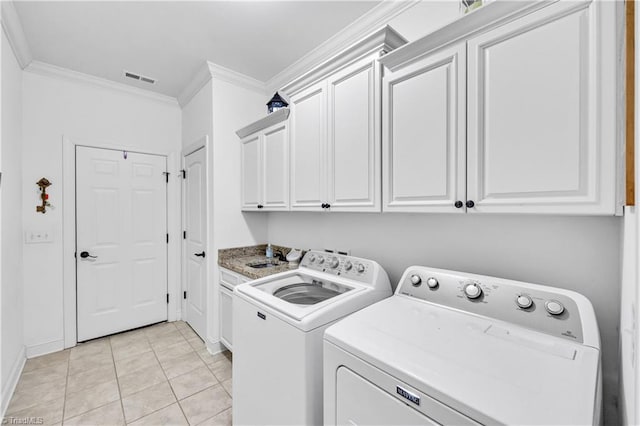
424, 141
539, 91
251, 172
335, 129
308, 148
354, 138
539, 140
265, 163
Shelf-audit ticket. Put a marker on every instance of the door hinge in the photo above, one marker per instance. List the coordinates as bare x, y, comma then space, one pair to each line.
167, 238
166, 175
184, 173
184, 235
184, 295
167, 298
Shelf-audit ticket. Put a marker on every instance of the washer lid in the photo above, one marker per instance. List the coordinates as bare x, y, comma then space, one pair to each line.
492, 371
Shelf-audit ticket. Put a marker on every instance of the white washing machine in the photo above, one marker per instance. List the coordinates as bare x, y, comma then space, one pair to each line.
457, 348
278, 324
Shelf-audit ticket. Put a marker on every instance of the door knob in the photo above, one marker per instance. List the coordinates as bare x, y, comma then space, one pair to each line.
86, 254
199, 254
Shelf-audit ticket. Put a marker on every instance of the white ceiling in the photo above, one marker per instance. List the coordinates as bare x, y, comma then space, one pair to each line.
171, 40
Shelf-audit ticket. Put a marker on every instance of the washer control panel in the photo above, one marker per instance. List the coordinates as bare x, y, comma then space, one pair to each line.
529, 305
338, 264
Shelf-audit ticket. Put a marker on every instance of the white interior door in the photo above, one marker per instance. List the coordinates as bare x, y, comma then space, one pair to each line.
121, 245
195, 217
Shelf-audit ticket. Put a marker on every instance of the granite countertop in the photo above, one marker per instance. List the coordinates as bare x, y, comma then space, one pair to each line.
237, 260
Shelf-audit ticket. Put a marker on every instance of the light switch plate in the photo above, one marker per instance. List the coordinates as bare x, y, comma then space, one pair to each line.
37, 237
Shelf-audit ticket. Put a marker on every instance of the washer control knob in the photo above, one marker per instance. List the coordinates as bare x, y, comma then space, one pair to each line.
334, 262
523, 301
312, 258
554, 307
432, 282
472, 290
360, 267
348, 265
320, 260
416, 280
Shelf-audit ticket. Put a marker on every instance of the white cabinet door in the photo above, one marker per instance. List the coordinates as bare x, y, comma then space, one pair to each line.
308, 148
251, 172
354, 138
275, 158
541, 101
226, 317
424, 134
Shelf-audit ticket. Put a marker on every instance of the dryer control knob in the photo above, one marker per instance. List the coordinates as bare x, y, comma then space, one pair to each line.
348, 265
432, 282
320, 260
523, 301
312, 258
554, 307
472, 290
334, 262
416, 280
360, 267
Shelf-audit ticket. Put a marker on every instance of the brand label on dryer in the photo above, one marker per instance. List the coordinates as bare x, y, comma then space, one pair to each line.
408, 395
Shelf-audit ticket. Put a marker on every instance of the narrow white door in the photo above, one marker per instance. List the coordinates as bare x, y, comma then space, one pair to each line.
308, 149
354, 138
424, 124
121, 245
195, 259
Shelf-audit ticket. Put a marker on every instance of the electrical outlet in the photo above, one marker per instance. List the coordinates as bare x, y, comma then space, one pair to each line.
37, 237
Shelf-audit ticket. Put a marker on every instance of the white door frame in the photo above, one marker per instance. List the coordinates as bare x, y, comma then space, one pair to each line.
201, 143
69, 230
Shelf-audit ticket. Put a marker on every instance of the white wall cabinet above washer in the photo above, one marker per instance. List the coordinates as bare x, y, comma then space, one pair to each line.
335, 129
265, 169
335, 142
537, 99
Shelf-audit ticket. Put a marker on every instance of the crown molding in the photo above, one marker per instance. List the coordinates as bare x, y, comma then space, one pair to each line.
268, 121
490, 15
196, 83
384, 40
15, 34
371, 21
41, 68
211, 70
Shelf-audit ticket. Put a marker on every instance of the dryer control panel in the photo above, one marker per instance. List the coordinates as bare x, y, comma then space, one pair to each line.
354, 268
541, 308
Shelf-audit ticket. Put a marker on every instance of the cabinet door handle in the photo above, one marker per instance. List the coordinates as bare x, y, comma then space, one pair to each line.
260, 206
328, 205
323, 205
458, 204
199, 254
470, 204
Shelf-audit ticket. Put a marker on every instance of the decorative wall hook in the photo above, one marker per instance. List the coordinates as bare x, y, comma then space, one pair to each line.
43, 184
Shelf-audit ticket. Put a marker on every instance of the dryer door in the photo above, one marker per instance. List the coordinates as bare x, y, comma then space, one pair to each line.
360, 402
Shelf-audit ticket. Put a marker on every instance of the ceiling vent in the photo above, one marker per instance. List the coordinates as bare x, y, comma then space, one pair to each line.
139, 77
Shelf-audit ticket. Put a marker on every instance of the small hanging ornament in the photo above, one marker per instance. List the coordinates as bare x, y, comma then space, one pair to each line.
276, 103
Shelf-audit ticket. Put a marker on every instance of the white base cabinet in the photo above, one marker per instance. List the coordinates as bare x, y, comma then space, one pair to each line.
537, 99
228, 280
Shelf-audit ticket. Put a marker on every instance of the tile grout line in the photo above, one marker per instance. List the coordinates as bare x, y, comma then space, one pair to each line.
115, 371
66, 387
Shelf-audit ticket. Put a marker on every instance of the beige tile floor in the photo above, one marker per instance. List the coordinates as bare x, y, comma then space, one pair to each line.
158, 375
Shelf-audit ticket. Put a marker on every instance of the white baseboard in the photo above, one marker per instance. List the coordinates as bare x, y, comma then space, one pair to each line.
12, 381
215, 348
45, 348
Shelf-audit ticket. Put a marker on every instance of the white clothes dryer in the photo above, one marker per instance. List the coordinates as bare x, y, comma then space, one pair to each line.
278, 325
457, 348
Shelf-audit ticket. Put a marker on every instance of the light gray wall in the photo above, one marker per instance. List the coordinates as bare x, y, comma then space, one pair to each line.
576, 253
11, 200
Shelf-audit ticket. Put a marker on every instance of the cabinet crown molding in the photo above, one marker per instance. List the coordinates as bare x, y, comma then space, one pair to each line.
268, 121
381, 41
488, 16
